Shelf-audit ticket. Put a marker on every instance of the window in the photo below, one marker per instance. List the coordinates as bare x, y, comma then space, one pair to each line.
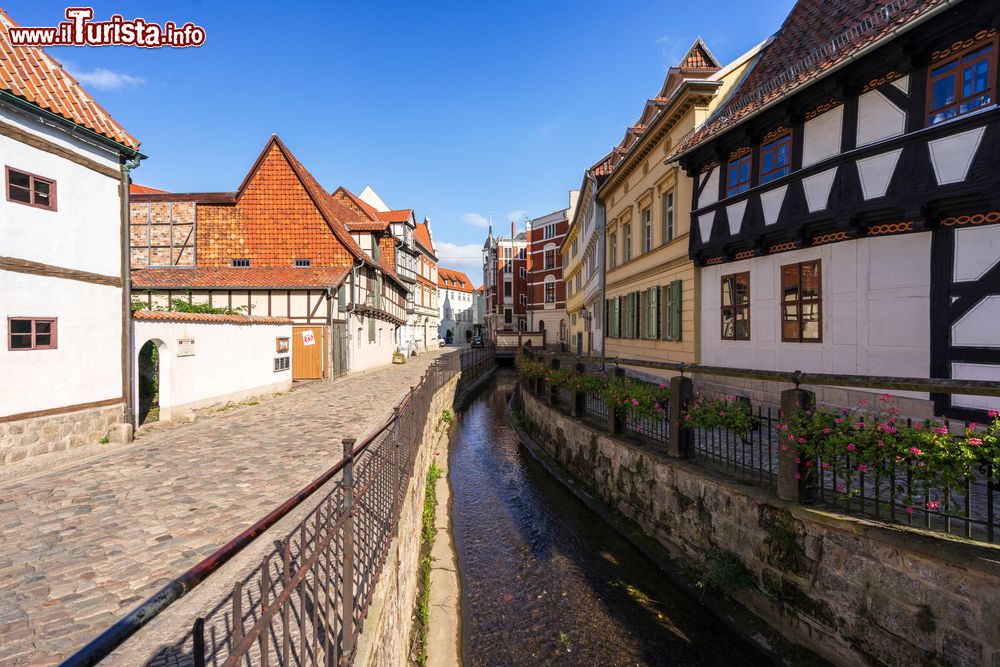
573, 320
962, 84
550, 259
507, 287
302, 263
524, 299
579, 281
775, 159
668, 217
550, 292
736, 306
801, 320
521, 253
670, 311
27, 333
613, 250
652, 310
282, 363
25, 188
549, 231
627, 242
647, 230
523, 272
241, 262
738, 175
575, 248
508, 316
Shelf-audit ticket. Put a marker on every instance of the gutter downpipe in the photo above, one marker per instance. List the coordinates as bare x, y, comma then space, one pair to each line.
129, 338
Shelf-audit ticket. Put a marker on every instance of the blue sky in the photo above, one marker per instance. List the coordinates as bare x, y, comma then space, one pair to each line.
458, 110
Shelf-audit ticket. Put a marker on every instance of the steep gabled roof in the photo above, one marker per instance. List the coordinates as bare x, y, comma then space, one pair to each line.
422, 234
32, 75
816, 37
699, 57
372, 213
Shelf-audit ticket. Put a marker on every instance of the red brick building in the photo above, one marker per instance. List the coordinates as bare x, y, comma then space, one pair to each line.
505, 281
546, 291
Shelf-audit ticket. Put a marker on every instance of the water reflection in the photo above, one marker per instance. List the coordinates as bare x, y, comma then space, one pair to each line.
544, 581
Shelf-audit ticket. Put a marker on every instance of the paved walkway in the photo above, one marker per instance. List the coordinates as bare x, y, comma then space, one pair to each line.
82, 544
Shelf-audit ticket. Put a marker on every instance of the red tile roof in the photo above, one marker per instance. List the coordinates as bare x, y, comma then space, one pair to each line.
226, 277
816, 36
396, 215
136, 189
422, 234
368, 226
456, 280
209, 318
31, 74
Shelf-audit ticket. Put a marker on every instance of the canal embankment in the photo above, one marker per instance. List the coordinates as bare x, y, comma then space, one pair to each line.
854, 591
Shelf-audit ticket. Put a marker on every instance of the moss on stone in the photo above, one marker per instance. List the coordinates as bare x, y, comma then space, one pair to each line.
683, 501
784, 548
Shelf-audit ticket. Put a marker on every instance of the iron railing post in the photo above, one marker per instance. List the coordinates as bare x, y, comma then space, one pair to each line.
198, 640
347, 643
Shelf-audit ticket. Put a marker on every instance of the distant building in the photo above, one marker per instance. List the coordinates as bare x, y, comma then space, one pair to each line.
458, 304
546, 290
64, 306
583, 264
425, 296
505, 281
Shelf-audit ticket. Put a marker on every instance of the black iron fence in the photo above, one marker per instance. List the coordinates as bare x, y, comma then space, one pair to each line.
307, 600
890, 488
475, 362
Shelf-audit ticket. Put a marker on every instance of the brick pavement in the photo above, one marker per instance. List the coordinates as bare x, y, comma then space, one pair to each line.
83, 544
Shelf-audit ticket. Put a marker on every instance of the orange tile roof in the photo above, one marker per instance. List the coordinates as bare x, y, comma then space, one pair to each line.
31, 74
227, 277
396, 215
368, 226
209, 318
423, 236
393, 215
456, 280
136, 189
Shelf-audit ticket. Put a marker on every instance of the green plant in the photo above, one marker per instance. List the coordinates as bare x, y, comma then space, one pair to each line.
104, 440
724, 573
426, 561
398, 358
528, 368
447, 416
180, 305
873, 440
628, 395
728, 413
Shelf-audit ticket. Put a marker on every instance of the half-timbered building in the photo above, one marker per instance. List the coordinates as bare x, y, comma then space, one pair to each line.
63, 259
846, 197
279, 246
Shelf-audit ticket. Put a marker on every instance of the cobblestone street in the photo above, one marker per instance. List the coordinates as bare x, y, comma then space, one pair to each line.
84, 543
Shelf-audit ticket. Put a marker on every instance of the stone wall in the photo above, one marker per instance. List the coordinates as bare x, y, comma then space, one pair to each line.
385, 638
854, 591
55, 433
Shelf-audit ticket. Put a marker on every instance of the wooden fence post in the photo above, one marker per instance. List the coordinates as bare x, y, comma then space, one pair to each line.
791, 478
679, 442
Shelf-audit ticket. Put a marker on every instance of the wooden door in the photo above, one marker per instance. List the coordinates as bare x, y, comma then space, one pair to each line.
338, 338
308, 344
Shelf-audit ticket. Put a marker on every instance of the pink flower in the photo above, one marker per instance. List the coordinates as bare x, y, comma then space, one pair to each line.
942, 430
802, 441
791, 438
827, 431
826, 466
840, 488
909, 510
975, 441
886, 397
851, 447
918, 426
993, 414
722, 413
783, 427
798, 460
892, 420
859, 424
862, 468
838, 420
894, 411
809, 464
863, 402
784, 448
916, 451
798, 476
972, 426
932, 504
663, 386
635, 401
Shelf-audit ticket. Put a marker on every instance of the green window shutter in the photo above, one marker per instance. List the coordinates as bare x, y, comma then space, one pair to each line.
371, 330
654, 313
675, 310
342, 298
642, 315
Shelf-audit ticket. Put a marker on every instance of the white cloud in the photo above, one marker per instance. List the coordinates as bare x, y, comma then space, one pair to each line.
476, 220
465, 258
517, 215
105, 79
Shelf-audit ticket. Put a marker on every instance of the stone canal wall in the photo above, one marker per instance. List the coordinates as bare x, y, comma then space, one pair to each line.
385, 638
854, 591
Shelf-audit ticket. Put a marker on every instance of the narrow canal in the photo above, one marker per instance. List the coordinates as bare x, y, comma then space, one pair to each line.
544, 580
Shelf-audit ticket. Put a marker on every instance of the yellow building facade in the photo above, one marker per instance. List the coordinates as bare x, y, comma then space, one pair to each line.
651, 292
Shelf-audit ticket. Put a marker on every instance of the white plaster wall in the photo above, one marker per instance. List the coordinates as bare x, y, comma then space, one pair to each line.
85, 231
822, 136
362, 354
231, 362
876, 310
85, 366
878, 118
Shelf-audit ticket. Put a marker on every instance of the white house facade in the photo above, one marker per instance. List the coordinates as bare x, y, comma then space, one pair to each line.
459, 306
63, 266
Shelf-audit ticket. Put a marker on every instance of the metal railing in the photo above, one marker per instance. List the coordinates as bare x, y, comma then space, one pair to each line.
890, 490
307, 600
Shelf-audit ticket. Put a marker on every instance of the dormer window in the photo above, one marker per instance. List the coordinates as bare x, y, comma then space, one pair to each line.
240, 263
776, 159
962, 84
738, 175
303, 263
